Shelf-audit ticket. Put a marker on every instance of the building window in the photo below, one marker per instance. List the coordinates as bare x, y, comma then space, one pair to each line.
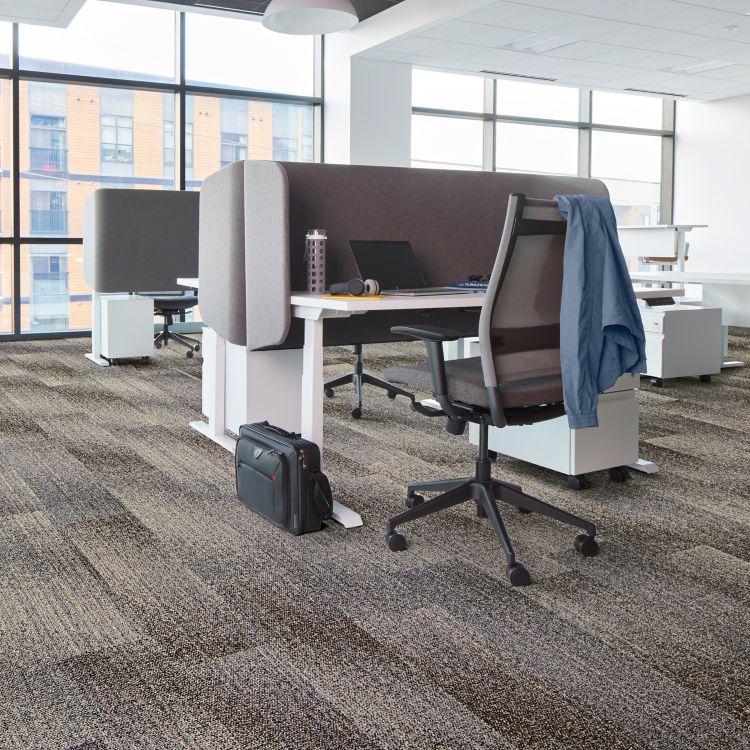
233, 147
49, 212
49, 300
48, 144
117, 138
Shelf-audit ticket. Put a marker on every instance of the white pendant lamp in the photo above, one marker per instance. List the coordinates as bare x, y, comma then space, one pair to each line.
310, 16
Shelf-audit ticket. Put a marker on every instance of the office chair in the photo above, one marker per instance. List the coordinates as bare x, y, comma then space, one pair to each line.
359, 377
516, 380
167, 306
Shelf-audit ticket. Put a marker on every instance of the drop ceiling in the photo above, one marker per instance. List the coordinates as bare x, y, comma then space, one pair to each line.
699, 50
41, 12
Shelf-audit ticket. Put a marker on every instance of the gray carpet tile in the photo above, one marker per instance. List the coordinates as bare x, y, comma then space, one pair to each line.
142, 606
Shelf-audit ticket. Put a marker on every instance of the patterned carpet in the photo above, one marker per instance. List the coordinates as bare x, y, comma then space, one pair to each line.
141, 606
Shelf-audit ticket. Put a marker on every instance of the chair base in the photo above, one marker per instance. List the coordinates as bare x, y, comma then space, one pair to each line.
359, 378
485, 492
165, 336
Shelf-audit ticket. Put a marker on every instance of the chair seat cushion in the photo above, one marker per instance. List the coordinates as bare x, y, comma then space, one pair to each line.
173, 302
466, 384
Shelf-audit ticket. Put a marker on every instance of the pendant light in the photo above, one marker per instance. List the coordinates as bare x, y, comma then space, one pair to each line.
310, 16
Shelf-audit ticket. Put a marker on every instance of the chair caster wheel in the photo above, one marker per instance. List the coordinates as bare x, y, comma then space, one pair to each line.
329, 392
396, 541
197, 348
157, 346
481, 512
705, 378
586, 545
525, 511
413, 499
657, 382
392, 395
357, 413
189, 353
492, 455
619, 474
578, 482
518, 575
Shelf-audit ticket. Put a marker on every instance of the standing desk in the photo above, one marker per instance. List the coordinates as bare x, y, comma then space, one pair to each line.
285, 386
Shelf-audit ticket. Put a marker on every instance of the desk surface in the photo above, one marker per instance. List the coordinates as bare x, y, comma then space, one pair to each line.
691, 277
472, 299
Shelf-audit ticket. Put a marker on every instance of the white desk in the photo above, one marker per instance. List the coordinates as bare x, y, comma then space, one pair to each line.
276, 373
729, 291
657, 240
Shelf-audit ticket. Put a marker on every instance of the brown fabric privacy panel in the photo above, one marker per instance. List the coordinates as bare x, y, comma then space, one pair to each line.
139, 240
452, 219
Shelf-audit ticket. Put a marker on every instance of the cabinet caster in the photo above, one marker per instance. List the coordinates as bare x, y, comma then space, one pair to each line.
619, 474
704, 378
657, 382
396, 541
492, 455
518, 575
413, 499
357, 413
392, 395
145, 360
197, 348
189, 353
586, 545
157, 345
329, 392
578, 482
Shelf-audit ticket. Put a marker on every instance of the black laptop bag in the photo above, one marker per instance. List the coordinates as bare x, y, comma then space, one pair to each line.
279, 477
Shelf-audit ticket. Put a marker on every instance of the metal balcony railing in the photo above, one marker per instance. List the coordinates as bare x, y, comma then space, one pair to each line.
49, 159
51, 221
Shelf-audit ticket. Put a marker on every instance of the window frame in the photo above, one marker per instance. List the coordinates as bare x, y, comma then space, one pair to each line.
585, 127
179, 89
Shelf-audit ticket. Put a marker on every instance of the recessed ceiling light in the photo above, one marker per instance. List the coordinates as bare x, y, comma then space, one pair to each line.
732, 27
539, 43
701, 67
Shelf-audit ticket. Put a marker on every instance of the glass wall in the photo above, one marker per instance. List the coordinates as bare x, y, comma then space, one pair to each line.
99, 106
625, 140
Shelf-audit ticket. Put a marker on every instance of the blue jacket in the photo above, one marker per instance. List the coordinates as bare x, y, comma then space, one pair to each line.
601, 332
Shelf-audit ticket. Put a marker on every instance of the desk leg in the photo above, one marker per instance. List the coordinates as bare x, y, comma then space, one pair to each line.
215, 359
312, 406
95, 355
647, 467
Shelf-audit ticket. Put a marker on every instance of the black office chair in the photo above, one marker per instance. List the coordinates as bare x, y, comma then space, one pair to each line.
515, 381
359, 377
169, 306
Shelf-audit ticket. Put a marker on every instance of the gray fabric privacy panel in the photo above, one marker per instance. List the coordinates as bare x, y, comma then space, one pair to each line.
222, 253
266, 254
453, 219
139, 240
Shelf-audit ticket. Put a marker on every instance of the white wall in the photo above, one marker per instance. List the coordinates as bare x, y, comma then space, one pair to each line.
367, 107
712, 182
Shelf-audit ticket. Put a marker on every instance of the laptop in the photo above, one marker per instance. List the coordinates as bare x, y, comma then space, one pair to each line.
393, 265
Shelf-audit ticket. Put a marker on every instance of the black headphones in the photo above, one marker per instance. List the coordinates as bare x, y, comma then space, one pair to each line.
356, 287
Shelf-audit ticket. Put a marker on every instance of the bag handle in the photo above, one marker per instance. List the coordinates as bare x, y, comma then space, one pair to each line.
280, 431
322, 495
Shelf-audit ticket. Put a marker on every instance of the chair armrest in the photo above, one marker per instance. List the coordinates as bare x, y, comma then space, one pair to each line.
427, 333
433, 337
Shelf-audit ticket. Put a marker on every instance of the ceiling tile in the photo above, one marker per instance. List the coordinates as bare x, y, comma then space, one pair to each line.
409, 44
580, 50
492, 36
690, 19
664, 61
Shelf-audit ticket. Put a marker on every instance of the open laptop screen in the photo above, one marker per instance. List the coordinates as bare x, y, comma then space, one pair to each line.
390, 262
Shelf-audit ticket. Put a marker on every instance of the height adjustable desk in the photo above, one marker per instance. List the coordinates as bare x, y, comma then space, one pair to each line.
285, 386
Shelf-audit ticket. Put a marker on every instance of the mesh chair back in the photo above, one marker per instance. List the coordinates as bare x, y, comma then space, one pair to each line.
519, 326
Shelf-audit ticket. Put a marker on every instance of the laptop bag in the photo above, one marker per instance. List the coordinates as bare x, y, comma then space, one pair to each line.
279, 477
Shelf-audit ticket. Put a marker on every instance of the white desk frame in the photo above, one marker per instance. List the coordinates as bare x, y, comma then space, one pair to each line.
643, 241
314, 310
